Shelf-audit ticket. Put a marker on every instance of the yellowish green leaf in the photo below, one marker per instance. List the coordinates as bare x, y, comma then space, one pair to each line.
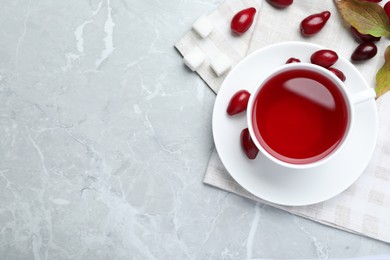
366, 17
383, 76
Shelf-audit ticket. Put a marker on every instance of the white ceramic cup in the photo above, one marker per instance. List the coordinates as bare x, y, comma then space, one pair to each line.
350, 100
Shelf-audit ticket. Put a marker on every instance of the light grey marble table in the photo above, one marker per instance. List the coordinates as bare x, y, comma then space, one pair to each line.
105, 137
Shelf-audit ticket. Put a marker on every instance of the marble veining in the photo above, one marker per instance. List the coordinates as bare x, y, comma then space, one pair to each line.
104, 139
108, 42
252, 231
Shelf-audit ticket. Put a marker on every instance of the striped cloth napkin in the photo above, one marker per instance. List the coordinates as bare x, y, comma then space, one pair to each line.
364, 208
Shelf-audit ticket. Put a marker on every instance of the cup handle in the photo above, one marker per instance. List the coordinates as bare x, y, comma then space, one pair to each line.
363, 96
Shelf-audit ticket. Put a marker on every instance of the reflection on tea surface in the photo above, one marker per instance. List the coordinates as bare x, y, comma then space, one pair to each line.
300, 116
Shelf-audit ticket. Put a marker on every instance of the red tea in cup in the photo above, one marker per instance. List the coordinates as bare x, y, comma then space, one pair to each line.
300, 116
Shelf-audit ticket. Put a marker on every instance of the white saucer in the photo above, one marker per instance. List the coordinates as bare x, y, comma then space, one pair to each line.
269, 181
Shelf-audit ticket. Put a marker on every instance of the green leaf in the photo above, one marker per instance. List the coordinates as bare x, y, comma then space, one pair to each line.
383, 76
366, 17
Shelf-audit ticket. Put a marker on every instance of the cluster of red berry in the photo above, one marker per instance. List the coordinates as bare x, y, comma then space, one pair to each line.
323, 58
311, 25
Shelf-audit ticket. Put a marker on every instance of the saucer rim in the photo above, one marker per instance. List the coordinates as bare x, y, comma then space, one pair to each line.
372, 142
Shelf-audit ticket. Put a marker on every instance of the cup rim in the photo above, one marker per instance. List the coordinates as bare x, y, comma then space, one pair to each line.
312, 67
